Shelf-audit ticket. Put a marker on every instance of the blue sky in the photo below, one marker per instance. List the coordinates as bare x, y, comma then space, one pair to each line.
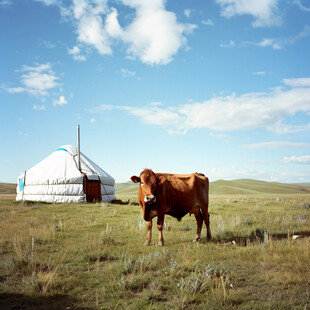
216, 86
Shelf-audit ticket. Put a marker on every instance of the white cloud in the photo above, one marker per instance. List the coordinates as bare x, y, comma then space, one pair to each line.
301, 6
156, 115
36, 80
301, 82
187, 13
127, 73
6, 3
228, 45
207, 22
60, 101
277, 144
39, 107
101, 108
259, 73
21, 133
49, 2
40, 81
303, 34
270, 42
92, 120
263, 171
226, 173
90, 28
15, 90
49, 44
37, 68
265, 12
231, 113
154, 35
76, 52
305, 160
281, 128
112, 26
281, 43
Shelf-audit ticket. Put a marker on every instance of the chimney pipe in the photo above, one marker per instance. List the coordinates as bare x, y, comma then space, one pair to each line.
78, 146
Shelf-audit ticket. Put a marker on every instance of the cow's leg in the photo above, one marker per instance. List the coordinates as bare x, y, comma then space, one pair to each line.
208, 227
149, 233
160, 226
199, 220
206, 218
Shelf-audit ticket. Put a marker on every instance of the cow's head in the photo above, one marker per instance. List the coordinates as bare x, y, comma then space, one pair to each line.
148, 186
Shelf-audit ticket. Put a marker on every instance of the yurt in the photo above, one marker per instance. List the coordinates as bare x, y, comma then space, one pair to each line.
66, 176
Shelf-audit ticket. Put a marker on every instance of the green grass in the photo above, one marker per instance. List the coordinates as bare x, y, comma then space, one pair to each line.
91, 256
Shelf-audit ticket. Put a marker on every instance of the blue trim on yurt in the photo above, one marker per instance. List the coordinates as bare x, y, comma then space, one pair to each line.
21, 184
62, 149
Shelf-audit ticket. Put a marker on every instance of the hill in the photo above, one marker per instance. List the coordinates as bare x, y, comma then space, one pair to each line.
7, 188
126, 190
248, 186
241, 186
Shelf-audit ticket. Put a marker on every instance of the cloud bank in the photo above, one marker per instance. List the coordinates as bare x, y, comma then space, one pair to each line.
282, 43
304, 160
265, 12
36, 80
153, 35
231, 113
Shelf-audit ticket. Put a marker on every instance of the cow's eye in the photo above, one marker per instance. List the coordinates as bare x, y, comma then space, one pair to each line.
142, 184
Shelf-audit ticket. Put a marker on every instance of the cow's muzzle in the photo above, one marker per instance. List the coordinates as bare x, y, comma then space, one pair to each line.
150, 199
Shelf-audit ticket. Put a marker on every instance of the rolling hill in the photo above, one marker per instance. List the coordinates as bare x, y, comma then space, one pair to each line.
249, 186
241, 186
7, 188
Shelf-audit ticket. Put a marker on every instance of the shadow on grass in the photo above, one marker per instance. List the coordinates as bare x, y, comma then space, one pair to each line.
121, 202
257, 236
15, 301
261, 236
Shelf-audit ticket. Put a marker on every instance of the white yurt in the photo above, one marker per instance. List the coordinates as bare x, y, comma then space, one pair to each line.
64, 176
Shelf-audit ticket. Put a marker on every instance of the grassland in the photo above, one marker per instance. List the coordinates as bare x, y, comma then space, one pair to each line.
7, 188
91, 256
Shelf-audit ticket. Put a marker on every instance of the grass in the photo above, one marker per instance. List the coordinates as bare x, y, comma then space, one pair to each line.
91, 256
7, 188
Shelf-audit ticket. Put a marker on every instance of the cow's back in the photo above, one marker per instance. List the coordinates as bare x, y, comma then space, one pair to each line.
183, 193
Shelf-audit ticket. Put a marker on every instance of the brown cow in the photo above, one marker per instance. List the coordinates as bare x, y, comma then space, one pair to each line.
173, 194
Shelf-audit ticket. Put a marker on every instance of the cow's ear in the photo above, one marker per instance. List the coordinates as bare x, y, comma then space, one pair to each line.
135, 179
161, 180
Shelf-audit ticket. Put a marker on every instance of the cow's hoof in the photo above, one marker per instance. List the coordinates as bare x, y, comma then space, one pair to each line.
147, 243
161, 243
197, 240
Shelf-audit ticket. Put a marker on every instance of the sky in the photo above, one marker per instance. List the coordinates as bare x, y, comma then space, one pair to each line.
220, 87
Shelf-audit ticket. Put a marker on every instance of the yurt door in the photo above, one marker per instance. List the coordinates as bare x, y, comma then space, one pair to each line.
93, 192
